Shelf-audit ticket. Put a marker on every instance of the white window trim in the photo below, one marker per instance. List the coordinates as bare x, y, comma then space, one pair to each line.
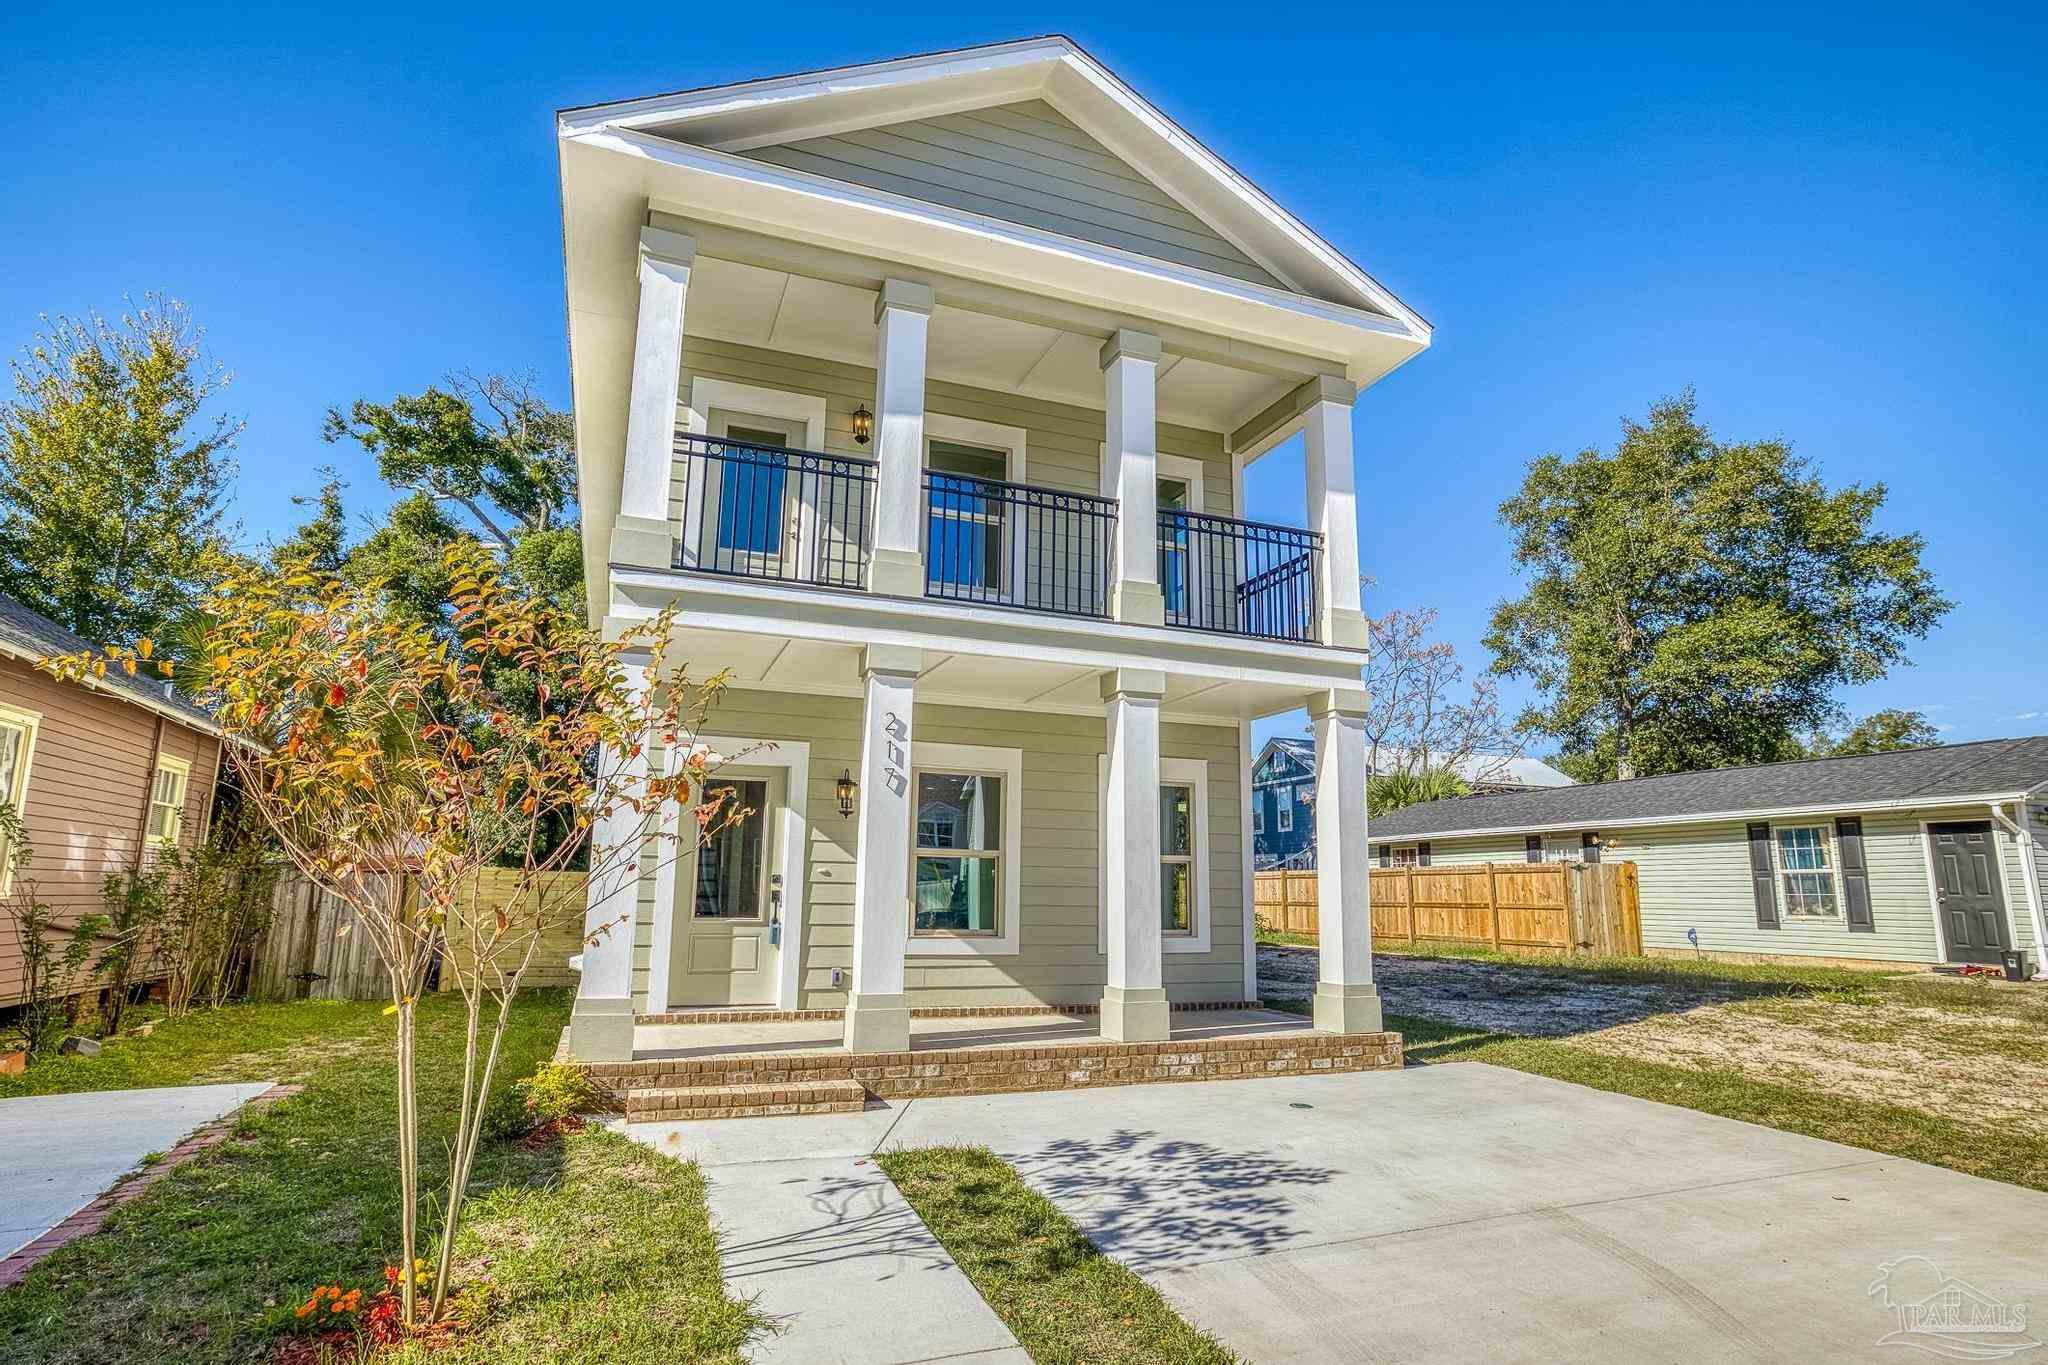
1007, 764
749, 400
30, 723
1833, 872
1188, 470
183, 768
1179, 772
1283, 810
969, 431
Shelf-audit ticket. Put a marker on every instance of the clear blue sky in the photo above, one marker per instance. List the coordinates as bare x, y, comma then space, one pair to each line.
1829, 220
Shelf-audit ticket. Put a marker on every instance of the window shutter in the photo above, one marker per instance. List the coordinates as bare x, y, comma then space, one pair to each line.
1855, 874
1532, 848
1386, 854
1422, 853
1589, 846
1762, 879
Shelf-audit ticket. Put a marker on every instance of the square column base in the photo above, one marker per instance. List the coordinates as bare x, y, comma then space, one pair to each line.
643, 541
877, 1023
601, 1030
1348, 1009
1139, 603
1136, 1016
1345, 628
896, 573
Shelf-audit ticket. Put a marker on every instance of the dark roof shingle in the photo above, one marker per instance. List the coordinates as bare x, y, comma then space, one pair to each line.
1991, 767
33, 636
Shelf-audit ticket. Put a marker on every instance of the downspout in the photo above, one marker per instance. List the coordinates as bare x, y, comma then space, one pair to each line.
2030, 872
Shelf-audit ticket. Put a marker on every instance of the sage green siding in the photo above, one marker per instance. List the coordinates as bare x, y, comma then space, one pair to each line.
1063, 444
1697, 877
1023, 163
1058, 961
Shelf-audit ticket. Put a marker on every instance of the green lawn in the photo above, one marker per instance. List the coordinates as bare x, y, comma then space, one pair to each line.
1067, 1302
592, 1248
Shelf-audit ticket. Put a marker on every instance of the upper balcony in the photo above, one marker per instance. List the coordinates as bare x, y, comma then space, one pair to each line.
767, 512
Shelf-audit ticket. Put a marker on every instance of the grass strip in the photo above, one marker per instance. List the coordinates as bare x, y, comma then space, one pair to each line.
1067, 1302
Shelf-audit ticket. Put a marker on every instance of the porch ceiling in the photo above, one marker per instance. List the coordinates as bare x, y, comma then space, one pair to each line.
962, 678
780, 310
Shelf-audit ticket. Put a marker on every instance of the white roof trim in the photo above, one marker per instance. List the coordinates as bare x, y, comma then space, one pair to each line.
736, 118
1704, 818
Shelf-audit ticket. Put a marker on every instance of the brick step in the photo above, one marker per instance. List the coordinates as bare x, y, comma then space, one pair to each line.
986, 1070
746, 1101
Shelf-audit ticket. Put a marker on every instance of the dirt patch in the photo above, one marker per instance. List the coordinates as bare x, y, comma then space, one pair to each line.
294, 1062
1490, 996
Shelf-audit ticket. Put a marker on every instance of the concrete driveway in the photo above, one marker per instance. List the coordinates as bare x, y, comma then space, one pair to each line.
59, 1151
1465, 1212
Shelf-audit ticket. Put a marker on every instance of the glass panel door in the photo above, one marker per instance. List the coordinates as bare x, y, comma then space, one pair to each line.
967, 529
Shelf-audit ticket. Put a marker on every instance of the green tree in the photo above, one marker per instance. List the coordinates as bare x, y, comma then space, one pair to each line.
482, 457
1386, 792
114, 478
1692, 604
320, 542
1879, 732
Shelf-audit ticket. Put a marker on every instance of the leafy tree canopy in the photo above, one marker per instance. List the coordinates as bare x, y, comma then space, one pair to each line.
114, 478
1692, 604
1877, 733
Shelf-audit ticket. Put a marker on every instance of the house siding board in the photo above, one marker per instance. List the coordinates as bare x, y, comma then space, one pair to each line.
89, 781
1058, 961
1023, 163
1063, 443
1698, 876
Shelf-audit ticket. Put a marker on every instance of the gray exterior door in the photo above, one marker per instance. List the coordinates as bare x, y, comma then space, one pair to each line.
1969, 896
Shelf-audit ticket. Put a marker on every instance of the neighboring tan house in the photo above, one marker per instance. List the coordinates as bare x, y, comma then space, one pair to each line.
101, 773
1921, 855
1283, 792
924, 392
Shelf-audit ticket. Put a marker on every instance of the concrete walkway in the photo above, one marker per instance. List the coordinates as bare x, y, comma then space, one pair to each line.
1453, 1212
830, 1250
62, 1150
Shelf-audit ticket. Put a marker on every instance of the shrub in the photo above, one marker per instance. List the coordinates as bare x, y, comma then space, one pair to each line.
556, 1092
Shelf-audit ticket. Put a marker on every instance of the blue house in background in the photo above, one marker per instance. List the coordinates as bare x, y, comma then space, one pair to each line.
1284, 789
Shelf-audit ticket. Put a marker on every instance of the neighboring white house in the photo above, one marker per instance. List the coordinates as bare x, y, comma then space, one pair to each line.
1922, 855
924, 392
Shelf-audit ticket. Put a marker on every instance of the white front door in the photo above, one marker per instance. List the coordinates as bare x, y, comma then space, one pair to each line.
729, 897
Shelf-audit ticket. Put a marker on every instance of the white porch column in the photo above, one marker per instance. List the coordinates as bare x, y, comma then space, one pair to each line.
642, 534
1346, 1000
601, 1022
1333, 507
903, 314
1130, 459
877, 1011
1134, 1008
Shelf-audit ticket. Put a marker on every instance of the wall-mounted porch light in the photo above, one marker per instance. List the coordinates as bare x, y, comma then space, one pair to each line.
863, 425
845, 789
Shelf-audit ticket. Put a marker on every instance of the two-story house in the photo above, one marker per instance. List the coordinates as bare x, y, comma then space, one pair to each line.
923, 391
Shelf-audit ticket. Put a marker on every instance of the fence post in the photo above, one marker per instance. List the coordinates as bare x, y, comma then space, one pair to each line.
1408, 894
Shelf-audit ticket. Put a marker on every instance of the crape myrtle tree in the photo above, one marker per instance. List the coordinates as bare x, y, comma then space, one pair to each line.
369, 743
1694, 604
1417, 718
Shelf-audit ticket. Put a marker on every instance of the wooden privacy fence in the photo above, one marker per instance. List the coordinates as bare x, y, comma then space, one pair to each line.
306, 956
1588, 908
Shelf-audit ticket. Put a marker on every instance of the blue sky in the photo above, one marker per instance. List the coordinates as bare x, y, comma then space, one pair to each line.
1827, 219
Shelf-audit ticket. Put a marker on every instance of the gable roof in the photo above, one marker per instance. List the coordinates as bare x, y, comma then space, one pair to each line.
1487, 769
745, 116
29, 636
1992, 769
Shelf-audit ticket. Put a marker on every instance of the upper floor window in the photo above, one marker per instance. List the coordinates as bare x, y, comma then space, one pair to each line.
167, 800
1259, 813
1284, 812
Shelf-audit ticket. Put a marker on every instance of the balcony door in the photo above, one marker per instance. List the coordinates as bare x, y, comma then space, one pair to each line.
729, 899
749, 517
970, 546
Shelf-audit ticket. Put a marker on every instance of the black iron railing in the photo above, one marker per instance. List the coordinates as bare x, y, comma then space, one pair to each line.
760, 511
1240, 577
1013, 545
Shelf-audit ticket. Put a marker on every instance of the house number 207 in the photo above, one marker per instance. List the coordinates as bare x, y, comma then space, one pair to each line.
893, 758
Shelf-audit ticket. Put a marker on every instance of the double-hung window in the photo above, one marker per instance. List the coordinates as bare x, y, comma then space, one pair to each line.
1177, 858
1284, 814
167, 800
958, 886
17, 744
1806, 864
1259, 813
